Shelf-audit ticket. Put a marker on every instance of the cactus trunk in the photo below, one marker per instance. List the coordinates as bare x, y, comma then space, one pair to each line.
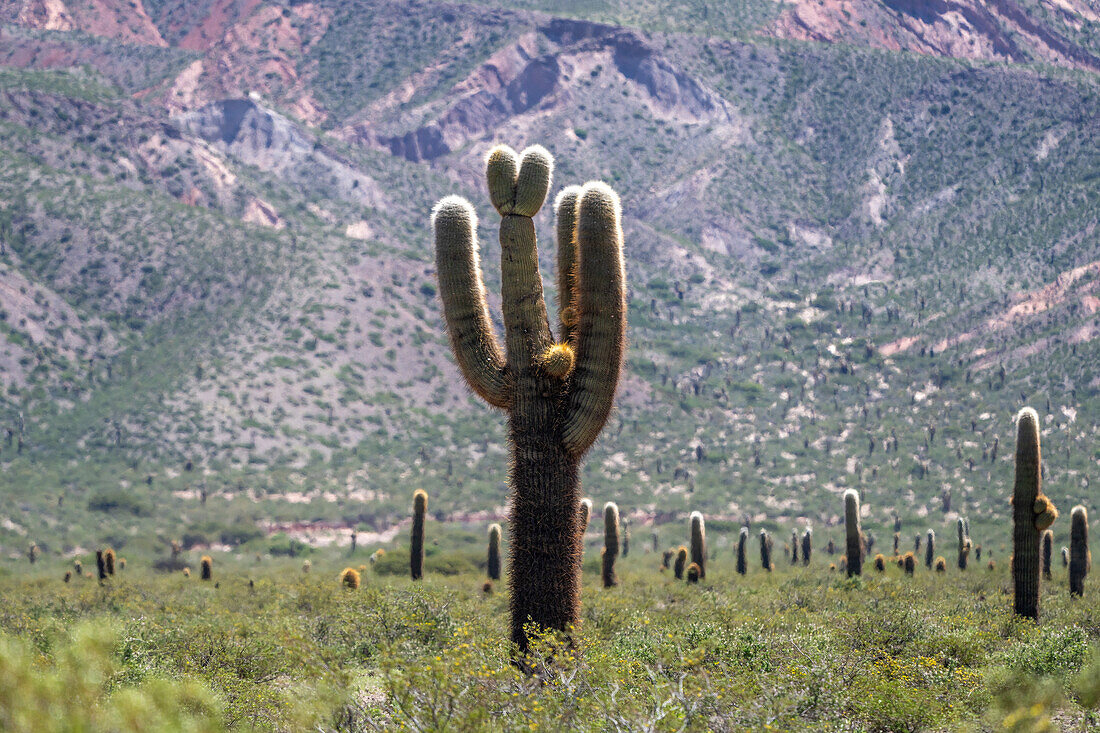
1032, 513
852, 532
964, 542
930, 549
699, 543
1080, 559
681, 561
742, 560
1047, 553
807, 546
493, 561
610, 543
416, 539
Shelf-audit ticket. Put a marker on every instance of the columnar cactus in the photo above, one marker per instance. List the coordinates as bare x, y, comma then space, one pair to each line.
100, 565
1065, 556
585, 515
807, 546
880, 563
742, 560
964, 543
1046, 553
610, 543
666, 559
910, 563
852, 533
794, 547
699, 542
493, 562
930, 549
68, 575
694, 572
1080, 559
1032, 512
109, 561
32, 552
557, 393
941, 564
78, 568
206, 563
897, 542
416, 541
350, 578
681, 561
626, 537
830, 548
766, 551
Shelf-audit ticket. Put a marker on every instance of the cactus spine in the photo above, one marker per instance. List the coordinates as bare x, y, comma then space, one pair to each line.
1080, 559
930, 549
853, 533
416, 544
610, 543
206, 564
964, 542
766, 551
1047, 553
557, 392
742, 560
681, 561
807, 546
493, 564
1032, 512
699, 543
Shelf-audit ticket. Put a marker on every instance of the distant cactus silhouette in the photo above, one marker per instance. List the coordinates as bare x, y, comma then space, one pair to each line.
1065, 555
880, 563
992, 565
1032, 512
187, 572
699, 542
794, 547
350, 578
843, 563
897, 542
666, 559
109, 561
694, 572
416, 543
493, 564
852, 533
830, 548
941, 565
557, 392
1080, 559
964, 542
32, 553
832, 567
766, 551
1046, 553
78, 568
207, 566
930, 549
742, 559
626, 537
585, 515
910, 563
681, 561
610, 544
121, 564
100, 565
68, 575
807, 546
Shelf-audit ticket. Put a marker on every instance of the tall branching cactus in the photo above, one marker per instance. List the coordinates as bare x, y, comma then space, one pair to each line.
1032, 512
1080, 559
853, 535
493, 561
610, 543
416, 539
699, 543
557, 393
742, 560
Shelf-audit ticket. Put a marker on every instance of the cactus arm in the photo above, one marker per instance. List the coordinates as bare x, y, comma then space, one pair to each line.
465, 309
601, 300
565, 210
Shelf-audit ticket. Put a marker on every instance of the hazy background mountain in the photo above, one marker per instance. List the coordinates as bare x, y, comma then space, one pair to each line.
860, 235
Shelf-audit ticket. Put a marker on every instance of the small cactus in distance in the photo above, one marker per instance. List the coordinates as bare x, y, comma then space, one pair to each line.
832, 567
699, 542
941, 564
766, 551
487, 587
830, 548
852, 533
1080, 559
930, 549
694, 572
1065, 557
626, 537
207, 566
121, 564
681, 561
100, 565
1032, 512
109, 561
880, 563
349, 578
794, 547
187, 572
742, 559
1046, 553
416, 543
493, 561
992, 566
807, 546
78, 568
610, 544
32, 553
964, 542
68, 575
666, 559
910, 563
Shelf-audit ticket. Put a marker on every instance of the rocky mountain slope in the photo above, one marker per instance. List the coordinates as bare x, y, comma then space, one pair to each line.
848, 264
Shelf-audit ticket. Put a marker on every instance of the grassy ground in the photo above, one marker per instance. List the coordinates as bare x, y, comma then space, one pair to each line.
272, 647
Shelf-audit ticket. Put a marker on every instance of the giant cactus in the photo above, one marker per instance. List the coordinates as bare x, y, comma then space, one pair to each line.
807, 546
1032, 512
742, 560
699, 543
493, 561
852, 533
610, 543
557, 393
416, 539
930, 549
1046, 553
1080, 559
766, 551
962, 530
